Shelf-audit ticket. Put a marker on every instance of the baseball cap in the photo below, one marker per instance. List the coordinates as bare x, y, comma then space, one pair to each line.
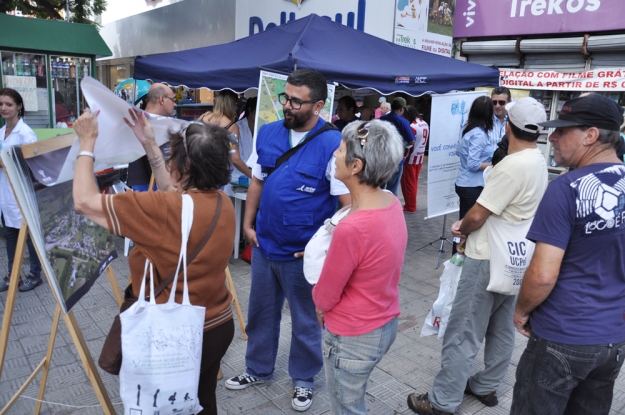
527, 114
593, 110
358, 99
400, 101
382, 99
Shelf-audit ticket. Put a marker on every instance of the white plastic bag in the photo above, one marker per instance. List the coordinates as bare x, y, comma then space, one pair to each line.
436, 320
162, 346
510, 254
317, 248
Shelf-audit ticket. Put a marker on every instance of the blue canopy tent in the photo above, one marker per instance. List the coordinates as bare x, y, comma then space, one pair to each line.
344, 55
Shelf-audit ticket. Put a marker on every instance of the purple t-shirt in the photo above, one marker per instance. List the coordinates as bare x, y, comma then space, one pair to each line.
583, 212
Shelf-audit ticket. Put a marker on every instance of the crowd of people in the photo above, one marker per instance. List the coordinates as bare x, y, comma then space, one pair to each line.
302, 168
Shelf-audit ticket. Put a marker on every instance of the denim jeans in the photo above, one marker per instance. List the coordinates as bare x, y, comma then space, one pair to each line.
10, 235
555, 378
393, 183
272, 282
349, 361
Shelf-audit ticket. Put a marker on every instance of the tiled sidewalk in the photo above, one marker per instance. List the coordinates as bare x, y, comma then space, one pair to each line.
409, 366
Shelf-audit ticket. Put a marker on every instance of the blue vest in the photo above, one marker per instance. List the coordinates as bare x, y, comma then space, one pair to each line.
296, 198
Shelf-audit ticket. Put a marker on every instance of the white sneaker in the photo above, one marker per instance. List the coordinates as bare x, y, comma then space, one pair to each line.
302, 399
242, 381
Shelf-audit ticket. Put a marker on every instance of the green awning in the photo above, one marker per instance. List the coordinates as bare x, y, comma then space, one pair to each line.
51, 36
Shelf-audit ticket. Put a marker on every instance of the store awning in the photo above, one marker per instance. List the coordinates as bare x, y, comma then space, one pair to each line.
51, 36
350, 57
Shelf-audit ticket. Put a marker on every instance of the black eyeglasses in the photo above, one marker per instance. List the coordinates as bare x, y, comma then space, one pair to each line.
500, 102
363, 132
296, 103
172, 99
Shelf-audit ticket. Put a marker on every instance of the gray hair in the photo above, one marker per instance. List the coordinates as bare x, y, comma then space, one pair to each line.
385, 106
610, 138
155, 93
380, 154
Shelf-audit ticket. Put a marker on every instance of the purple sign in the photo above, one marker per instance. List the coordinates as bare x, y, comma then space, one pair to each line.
530, 17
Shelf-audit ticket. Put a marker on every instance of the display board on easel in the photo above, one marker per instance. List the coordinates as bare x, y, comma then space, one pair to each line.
79, 251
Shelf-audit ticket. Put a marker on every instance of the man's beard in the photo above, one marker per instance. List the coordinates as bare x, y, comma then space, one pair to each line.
298, 120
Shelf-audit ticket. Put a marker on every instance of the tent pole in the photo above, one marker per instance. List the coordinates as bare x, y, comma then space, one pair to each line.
295, 64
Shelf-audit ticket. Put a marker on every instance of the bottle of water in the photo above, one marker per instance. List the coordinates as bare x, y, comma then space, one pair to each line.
457, 259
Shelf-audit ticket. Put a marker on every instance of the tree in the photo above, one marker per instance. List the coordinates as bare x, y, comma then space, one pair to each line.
81, 11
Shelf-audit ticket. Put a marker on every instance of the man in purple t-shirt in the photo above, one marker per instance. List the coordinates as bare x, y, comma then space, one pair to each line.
571, 304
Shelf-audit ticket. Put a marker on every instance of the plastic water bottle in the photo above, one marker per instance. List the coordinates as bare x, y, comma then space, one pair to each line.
457, 259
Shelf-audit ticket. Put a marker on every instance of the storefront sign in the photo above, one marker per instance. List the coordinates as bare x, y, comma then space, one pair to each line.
26, 86
421, 26
530, 17
612, 79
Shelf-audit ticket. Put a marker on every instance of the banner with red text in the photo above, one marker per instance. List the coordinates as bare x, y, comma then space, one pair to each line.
612, 79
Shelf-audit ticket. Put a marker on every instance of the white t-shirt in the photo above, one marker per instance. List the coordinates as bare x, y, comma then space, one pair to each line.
512, 190
337, 187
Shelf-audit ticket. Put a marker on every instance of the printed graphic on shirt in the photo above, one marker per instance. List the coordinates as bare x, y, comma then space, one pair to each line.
601, 199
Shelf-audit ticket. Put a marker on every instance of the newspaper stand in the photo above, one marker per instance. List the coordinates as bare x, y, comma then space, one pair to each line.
29, 151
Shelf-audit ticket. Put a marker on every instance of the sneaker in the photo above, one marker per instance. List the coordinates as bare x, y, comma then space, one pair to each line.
242, 381
489, 400
4, 284
31, 283
302, 399
409, 211
421, 405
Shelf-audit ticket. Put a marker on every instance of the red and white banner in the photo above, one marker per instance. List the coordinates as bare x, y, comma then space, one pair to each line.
612, 79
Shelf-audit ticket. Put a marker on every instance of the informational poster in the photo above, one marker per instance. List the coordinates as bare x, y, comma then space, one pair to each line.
268, 107
425, 25
26, 86
449, 114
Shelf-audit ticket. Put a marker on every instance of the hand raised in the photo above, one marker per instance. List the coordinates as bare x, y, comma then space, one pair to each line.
140, 126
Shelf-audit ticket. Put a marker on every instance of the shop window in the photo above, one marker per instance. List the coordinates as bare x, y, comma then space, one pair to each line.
27, 74
66, 73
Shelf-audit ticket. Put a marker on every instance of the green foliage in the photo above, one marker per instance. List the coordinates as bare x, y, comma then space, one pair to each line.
81, 11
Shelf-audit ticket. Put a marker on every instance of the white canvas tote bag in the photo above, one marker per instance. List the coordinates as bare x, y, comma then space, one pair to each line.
510, 254
162, 345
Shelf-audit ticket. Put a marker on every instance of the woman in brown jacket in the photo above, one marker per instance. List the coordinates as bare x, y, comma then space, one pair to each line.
199, 166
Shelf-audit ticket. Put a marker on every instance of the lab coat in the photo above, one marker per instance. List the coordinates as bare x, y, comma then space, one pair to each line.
21, 134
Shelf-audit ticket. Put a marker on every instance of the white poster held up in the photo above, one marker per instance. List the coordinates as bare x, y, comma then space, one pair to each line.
27, 87
449, 113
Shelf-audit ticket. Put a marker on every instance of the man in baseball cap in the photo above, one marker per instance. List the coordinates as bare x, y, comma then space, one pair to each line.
512, 192
571, 301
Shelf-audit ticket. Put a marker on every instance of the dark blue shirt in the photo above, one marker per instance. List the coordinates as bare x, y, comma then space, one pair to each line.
403, 126
583, 212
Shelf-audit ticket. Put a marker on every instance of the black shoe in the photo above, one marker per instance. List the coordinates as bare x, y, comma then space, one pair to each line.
302, 398
489, 400
421, 405
31, 283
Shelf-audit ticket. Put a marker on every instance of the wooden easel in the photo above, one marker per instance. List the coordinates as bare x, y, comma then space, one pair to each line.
29, 151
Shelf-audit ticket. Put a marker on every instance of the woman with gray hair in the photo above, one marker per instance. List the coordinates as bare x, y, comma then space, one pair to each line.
357, 294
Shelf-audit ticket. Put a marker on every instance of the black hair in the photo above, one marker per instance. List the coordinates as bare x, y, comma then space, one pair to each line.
16, 97
396, 105
523, 135
411, 113
250, 106
207, 164
501, 151
349, 102
480, 115
500, 90
312, 79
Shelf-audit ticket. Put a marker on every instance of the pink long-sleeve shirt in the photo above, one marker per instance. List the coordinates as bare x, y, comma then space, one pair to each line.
358, 288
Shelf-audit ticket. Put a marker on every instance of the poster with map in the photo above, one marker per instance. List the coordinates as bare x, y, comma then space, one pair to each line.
268, 107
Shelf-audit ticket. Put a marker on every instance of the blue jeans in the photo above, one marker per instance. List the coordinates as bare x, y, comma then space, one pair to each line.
555, 378
349, 361
10, 235
272, 282
393, 183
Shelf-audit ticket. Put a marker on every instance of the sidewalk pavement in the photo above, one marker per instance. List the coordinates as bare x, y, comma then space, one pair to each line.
409, 366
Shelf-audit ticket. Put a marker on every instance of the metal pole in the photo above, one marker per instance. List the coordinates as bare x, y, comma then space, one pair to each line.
67, 10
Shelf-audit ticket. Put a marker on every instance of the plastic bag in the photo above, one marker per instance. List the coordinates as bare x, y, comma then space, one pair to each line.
437, 318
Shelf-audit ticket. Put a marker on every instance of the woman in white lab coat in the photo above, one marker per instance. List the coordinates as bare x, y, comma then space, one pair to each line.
15, 132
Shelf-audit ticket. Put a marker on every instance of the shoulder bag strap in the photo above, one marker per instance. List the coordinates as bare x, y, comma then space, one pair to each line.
230, 125
197, 249
289, 153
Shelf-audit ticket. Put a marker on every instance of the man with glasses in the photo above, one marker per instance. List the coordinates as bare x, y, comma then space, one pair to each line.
160, 101
571, 301
293, 190
500, 96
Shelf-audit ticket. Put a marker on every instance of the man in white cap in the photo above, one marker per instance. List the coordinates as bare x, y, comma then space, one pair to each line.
512, 191
378, 110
